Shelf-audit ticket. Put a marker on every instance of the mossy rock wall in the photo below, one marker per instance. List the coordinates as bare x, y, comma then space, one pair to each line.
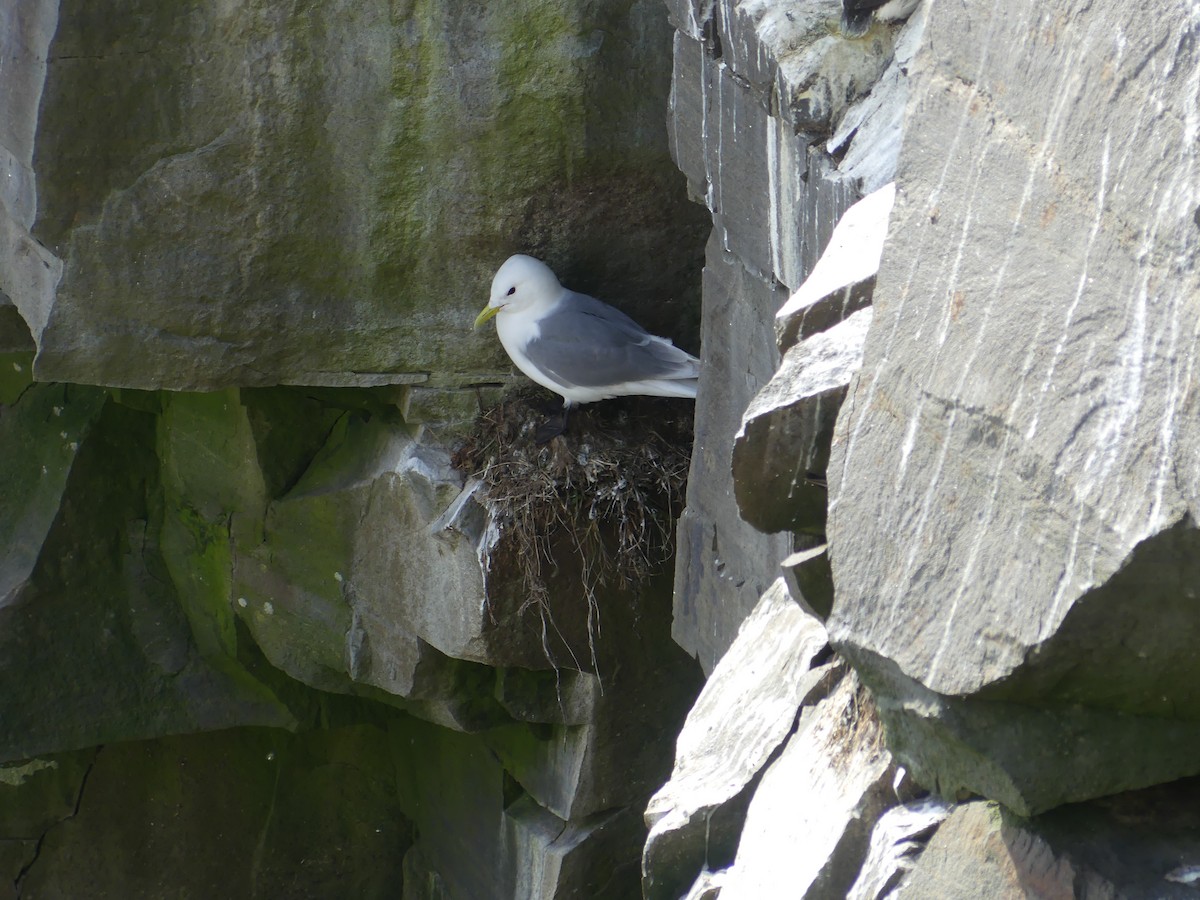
247, 633
319, 193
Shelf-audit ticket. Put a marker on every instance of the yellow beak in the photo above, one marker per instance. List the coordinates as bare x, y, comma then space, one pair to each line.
488, 312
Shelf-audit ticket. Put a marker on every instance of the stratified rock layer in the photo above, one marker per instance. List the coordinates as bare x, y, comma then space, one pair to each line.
1013, 484
754, 87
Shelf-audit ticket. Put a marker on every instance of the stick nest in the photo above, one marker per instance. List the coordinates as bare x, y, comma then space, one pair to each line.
613, 485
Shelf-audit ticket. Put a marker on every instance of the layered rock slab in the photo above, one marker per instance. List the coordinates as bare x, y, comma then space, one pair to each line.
745, 711
756, 163
238, 813
1013, 508
782, 449
808, 826
1140, 844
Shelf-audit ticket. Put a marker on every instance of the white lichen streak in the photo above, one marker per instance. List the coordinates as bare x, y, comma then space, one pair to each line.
1041, 164
865, 406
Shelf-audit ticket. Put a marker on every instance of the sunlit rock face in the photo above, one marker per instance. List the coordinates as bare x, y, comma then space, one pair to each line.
1011, 523
1013, 482
781, 451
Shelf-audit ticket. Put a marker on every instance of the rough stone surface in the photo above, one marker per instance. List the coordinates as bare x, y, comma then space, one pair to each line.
808, 826
897, 840
287, 216
843, 279
242, 580
263, 195
1013, 494
869, 136
782, 449
28, 271
241, 813
695, 819
298, 208
1142, 845
977, 854
774, 195
94, 630
809, 577
722, 564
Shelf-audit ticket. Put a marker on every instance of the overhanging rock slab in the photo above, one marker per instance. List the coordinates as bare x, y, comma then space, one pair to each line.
843, 279
781, 452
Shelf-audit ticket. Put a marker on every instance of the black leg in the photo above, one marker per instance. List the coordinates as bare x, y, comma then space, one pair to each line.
553, 426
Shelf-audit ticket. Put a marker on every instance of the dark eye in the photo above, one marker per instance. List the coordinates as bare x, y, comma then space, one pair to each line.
512, 290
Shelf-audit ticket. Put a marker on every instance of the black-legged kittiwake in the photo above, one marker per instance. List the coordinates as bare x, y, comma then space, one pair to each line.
577, 346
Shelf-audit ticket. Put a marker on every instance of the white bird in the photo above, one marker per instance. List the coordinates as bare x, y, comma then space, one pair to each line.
577, 346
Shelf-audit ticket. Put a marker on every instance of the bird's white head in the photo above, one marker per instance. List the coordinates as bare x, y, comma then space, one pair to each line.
521, 283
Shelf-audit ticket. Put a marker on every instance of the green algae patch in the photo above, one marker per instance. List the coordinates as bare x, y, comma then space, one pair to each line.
16, 374
289, 425
213, 494
41, 436
99, 626
38, 793
291, 587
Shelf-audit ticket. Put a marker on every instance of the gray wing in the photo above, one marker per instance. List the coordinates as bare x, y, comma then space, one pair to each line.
587, 343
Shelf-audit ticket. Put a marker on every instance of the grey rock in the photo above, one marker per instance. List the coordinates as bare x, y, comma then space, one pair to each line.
42, 432
622, 753
843, 280
1145, 843
14, 338
782, 449
707, 886
818, 81
1028, 756
517, 848
870, 134
240, 801
26, 30
745, 711
1014, 466
691, 18
896, 841
29, 276
552, 858
808, 826
774, 196
108, 648
282, 213
1127, 846
975, 854
722, 564
810, 578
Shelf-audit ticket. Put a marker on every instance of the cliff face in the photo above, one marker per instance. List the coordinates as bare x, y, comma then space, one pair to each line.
281, 616
245, 585
1028, 387
991, 371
